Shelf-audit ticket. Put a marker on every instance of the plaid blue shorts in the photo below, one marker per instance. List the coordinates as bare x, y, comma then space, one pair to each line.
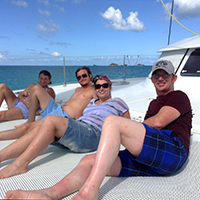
163, 153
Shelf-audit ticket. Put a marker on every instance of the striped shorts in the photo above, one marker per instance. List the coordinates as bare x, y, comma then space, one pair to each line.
22, 107
163, 153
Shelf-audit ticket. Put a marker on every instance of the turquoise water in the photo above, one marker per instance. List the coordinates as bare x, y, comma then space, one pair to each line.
19, 77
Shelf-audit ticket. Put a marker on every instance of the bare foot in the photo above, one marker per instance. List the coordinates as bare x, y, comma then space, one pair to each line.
21, 125
12, 169
19, 194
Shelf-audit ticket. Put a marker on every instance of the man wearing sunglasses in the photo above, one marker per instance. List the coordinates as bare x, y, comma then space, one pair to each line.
73, 107
81, 135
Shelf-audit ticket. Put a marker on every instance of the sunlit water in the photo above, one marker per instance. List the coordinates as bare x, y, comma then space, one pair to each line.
19, 77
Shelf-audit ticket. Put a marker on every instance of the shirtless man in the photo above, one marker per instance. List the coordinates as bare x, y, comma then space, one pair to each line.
73, 107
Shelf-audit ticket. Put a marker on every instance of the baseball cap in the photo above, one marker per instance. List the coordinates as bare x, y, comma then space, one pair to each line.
165, 65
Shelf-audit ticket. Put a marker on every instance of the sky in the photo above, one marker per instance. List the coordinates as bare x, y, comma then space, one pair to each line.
84, 32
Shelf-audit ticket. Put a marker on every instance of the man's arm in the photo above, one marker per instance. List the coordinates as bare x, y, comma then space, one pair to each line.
51, 93
21, 96
165, 116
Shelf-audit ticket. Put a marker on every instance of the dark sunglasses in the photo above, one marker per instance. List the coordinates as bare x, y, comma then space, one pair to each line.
157, 76
98, 86
83, 75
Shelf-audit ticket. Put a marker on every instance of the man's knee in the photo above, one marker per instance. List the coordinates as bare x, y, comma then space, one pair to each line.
3, 86
111, 119
49, 118
53, 120
36, 89
88, 160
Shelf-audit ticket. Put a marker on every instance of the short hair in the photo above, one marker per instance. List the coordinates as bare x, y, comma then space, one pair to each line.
83, 67
46, 73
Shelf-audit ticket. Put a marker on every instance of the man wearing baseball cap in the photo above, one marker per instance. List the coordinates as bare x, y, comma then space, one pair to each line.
163, 75
165, 65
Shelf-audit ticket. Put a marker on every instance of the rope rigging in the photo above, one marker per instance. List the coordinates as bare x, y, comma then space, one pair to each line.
177, 20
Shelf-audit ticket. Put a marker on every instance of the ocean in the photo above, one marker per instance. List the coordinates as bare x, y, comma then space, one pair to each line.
20, 77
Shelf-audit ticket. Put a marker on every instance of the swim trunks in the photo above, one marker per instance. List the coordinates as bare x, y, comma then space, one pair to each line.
163, 153
53, 109
22, 107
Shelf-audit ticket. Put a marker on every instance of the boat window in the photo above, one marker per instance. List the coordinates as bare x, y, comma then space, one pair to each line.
192, 66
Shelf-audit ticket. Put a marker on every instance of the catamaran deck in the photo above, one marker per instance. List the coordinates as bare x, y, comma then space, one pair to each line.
55, 162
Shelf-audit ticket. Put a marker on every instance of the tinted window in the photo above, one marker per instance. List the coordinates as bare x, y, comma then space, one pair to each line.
192, 66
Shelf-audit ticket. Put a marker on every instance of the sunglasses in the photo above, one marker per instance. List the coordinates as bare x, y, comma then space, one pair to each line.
98, 86
157, 76
83, 76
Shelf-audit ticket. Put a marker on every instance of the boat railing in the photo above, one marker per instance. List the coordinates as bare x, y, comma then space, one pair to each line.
124, 61
118, 67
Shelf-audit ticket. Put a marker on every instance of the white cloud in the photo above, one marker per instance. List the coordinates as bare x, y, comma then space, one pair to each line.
187, 8
132, 23
1, 56
47, 28
45, 2
20, 3
61, 9
56, 54
184, 9
40, 53
44, 12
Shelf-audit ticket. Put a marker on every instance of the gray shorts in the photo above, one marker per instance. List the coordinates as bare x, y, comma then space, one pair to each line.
53, 109
80, 136
22, 107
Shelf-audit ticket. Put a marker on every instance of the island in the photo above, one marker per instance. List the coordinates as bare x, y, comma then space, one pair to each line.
113, 64
139, 65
